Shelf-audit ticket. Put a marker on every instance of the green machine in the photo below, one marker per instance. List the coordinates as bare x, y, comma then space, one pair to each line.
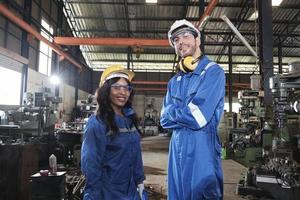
246, 141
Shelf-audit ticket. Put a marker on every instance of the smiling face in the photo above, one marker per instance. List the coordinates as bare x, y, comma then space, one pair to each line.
119, 95
186, 44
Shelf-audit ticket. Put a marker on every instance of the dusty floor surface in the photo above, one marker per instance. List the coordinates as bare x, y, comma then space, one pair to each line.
155, 157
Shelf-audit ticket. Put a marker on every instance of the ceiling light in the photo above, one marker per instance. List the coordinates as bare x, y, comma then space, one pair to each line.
276, 2
151, 1
254, 16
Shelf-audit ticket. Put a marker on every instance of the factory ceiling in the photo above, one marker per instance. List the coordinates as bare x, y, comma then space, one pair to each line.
139, 20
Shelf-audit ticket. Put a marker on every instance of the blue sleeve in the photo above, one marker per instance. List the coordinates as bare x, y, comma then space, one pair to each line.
139, 176
164, 119
92, 151
201, 108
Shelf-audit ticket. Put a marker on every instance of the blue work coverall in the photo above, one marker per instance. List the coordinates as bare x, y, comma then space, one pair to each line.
112, 165
192, 108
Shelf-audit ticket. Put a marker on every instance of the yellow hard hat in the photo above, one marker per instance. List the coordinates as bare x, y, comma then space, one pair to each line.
114, 71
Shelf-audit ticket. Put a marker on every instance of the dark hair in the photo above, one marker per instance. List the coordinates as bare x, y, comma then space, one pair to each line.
105, 111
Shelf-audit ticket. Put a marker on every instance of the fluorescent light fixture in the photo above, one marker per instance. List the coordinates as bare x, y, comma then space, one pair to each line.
276, 2
54, 80
151, 1
254, 16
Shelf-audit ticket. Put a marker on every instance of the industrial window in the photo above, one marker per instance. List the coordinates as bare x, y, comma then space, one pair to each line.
10, 95
45, 56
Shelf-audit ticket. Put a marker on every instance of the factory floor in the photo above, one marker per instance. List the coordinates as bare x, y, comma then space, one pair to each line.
155, 157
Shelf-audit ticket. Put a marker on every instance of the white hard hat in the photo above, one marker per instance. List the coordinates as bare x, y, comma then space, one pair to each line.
181, 23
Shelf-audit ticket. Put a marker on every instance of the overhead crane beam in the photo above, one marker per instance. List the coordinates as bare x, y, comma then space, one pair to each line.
112, 41
127, 41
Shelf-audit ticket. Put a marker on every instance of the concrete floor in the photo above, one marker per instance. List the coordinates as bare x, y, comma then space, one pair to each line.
155, 157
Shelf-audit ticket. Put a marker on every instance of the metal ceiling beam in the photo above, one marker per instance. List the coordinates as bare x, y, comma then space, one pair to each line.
127, 18
220, 4
126, 41
242, 15
169, 70
207, 12
265, 48
207, 32
116, 51
25, 26
170, 61
185, 8
201, 9
286, 45
176, 18
129, 52
25, 47
289, 27
135, 42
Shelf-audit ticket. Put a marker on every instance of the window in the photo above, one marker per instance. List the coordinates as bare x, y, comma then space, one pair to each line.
45, 56
10, 93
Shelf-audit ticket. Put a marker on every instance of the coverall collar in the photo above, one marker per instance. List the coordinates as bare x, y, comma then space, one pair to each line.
201, 65
128, 111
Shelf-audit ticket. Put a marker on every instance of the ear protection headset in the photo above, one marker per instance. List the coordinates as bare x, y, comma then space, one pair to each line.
188, 64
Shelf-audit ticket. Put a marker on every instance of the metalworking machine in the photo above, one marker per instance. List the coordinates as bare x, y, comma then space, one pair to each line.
36, 117
246, 139
278, 173
151, 119
26, 142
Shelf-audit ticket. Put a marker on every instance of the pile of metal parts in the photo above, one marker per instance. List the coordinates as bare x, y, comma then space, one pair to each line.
277, 174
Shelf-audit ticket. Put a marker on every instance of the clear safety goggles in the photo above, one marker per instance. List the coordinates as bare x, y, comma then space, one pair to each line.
118, 87
185, 34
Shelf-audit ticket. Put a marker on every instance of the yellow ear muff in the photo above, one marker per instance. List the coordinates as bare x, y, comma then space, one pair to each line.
188, 64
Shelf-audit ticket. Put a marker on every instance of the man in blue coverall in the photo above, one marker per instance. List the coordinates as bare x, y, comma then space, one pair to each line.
192, 108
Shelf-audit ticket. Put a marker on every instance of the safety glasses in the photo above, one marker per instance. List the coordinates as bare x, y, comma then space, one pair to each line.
182, 34
119, 87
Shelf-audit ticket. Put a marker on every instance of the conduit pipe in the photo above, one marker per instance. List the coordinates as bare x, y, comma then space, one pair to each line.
22, 24
128, 41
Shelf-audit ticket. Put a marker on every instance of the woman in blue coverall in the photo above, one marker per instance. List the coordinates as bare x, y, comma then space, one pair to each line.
192, 108
111, 159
